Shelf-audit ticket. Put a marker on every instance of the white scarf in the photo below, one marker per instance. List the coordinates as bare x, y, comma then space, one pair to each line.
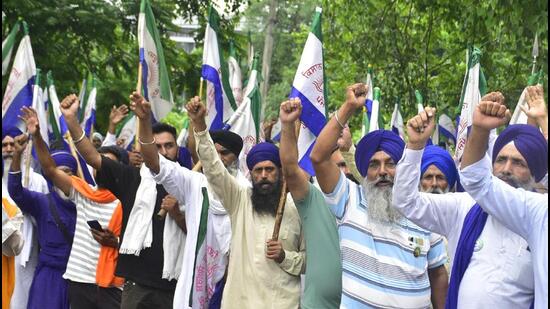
139, 229
136, 237
173, 245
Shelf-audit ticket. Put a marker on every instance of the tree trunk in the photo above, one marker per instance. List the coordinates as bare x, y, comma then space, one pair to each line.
268, 52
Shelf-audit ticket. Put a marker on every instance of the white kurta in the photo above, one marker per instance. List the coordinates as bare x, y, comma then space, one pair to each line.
500, 273
253, 280
185, 186
523, 212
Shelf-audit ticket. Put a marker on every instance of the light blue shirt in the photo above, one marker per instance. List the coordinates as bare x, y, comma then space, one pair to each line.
384, 265
523, 212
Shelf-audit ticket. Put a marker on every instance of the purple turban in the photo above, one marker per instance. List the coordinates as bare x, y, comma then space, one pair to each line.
184, 158
63, 158
12, 131
435, 155
530, 143
263, 152
380, 140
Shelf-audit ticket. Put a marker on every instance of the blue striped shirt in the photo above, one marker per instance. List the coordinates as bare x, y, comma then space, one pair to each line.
380, 269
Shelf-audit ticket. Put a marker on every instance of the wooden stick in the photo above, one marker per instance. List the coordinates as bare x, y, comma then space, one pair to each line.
196, 168
280, 212
138, 90
75, 155
28, 155
200, 88
282, 200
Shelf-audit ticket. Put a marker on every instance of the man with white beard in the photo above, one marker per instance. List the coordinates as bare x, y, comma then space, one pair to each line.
494, 269
387, 260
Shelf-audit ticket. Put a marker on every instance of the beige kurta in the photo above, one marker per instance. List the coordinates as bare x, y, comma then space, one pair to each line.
254, 281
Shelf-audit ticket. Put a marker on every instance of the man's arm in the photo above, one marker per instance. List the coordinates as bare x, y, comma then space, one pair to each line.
221, 182
489, 114
69, 108
520, 211
537, 112
296, 180
49, 168
436, 213
149, 151
294, 262
327, 172
439, 283
23, 198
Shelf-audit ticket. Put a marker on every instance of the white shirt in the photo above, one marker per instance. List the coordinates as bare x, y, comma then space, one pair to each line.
500, 273
525, 213
185, 186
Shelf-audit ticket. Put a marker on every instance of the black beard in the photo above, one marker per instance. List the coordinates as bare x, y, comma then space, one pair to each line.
266, 201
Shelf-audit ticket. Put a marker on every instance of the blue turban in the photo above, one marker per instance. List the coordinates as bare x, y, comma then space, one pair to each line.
12, 131
435, 155
63, 158
184, 158
380, 140
530, 143
263, 152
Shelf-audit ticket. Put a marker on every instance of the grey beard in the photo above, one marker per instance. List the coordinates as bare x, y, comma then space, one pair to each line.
435, 190
379, 202
7, 167
233, 168
516, 183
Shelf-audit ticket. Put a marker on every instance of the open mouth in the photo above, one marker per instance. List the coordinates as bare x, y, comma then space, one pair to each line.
384, 183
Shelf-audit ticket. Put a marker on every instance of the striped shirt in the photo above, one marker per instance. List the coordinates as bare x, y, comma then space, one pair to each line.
380, 269
85, 251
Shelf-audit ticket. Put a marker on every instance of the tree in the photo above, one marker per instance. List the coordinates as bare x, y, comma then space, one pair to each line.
421, 45
71, 38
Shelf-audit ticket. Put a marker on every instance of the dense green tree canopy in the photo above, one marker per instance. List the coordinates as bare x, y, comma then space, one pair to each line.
410, 44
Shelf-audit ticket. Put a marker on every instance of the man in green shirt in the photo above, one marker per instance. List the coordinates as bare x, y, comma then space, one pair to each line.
323, 284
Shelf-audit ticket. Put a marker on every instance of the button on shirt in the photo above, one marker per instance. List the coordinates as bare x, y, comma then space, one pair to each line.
253, 280
525, 213
384, 265
500, 273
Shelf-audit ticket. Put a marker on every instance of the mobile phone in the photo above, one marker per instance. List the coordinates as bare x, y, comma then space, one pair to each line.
95, 225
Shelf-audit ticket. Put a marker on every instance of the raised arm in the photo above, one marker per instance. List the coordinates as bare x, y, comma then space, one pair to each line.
521, 211
69, 108
489, 114
49, 168
537, 108
327, 172
24, 198
225, 186
296, 179
149, 151
430, 211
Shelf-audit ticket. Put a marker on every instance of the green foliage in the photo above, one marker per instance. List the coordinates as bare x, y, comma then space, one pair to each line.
290, 33
74, 37
415, 44
421, 45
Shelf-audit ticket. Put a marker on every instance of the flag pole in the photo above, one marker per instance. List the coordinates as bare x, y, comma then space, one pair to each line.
282, 198
75, 155
27, 157
138, 90
535, 53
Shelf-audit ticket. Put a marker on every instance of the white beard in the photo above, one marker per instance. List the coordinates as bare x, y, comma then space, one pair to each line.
379, 202
7, 166
233, 169
436, 190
